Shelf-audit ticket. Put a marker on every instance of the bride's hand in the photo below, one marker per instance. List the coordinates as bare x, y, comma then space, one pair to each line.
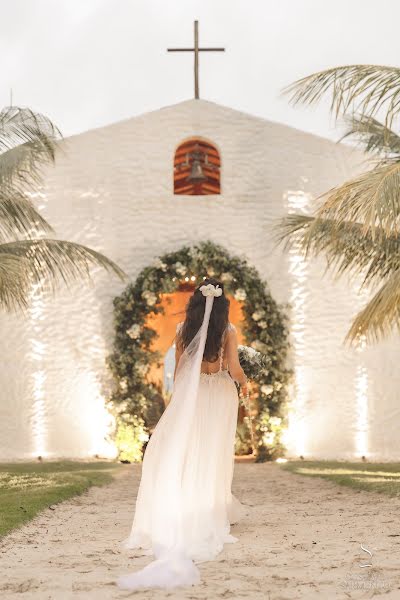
245, 389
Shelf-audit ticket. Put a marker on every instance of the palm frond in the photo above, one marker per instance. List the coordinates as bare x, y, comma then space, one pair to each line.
381, 315
372, 135
345, 246
372, 198
22, 125
364, 89
54, 261
18, 214
21, 167
28, 141
14, 282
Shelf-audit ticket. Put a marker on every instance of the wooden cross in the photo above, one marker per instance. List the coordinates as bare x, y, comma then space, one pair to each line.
196, 51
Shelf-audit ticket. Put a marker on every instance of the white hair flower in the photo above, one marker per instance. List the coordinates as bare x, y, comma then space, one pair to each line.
211, 290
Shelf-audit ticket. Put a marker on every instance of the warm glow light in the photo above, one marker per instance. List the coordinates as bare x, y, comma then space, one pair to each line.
98, 421
186, 278
193, 278
297, 432
37, 352
361, 388
281, 460
361, 445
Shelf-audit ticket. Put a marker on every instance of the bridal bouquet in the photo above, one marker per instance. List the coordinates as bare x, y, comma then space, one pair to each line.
252, 362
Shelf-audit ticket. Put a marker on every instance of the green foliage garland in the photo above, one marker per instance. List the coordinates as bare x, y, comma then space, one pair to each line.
138, 403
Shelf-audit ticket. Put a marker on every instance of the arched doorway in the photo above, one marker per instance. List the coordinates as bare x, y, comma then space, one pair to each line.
143, 336
165, 322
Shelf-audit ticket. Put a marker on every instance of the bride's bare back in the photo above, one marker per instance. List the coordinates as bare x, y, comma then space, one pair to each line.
228, 358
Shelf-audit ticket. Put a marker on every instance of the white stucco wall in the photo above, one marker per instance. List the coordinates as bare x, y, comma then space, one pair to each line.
112, 190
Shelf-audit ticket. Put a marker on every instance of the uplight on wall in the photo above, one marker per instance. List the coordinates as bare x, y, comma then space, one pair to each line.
98, 420
361, 437
37, 353
297, 432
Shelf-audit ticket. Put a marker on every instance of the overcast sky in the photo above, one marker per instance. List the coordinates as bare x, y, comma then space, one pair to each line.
87, 63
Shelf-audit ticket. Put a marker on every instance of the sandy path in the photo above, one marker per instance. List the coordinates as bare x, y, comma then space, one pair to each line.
301, 540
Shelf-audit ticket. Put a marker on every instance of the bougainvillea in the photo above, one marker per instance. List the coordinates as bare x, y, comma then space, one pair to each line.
138, 403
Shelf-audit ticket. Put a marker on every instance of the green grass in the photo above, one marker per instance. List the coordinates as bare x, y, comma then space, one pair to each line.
374, 477
28, 488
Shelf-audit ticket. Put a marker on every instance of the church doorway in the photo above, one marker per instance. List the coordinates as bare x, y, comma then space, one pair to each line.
165, 322
142, 360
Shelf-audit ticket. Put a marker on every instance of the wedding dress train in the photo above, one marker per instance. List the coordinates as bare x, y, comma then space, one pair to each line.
185, 505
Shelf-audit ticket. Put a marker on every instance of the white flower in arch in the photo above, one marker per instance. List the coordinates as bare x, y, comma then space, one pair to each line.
240, 294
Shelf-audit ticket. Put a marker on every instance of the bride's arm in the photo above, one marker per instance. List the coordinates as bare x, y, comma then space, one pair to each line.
178, 354
178, 349
232, 355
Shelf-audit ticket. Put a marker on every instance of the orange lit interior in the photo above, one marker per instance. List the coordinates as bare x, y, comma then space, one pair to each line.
165, 324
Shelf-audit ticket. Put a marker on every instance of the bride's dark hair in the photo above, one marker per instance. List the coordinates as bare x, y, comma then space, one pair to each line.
218, 320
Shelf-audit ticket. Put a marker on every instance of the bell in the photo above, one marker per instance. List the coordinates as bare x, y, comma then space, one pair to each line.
196, 172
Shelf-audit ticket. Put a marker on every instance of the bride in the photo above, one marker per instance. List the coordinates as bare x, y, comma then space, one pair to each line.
185, 505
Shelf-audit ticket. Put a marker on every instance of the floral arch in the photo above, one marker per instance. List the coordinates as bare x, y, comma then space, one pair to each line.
138, 403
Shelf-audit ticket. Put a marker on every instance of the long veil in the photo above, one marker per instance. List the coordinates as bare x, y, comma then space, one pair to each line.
160, 520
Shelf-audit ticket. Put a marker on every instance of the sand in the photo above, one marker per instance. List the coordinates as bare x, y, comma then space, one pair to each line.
301, 540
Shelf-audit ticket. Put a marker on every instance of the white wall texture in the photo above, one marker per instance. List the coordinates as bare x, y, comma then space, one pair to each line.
112, 189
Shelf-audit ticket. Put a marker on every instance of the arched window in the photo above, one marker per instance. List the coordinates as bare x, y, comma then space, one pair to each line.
197, 168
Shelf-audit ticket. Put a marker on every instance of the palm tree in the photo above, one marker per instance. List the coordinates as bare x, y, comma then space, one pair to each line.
357, 224
28, 141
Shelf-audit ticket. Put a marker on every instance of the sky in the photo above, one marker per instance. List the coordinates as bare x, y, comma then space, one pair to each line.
88, 63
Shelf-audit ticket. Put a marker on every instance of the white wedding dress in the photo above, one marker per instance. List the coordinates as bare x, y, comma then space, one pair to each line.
185, 505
